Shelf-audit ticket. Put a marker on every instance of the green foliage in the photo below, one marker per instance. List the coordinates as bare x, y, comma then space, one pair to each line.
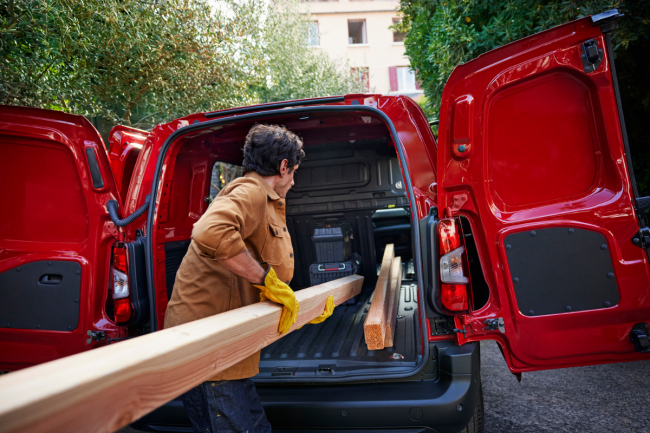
141, 62
423, 102
445, 33
294, 70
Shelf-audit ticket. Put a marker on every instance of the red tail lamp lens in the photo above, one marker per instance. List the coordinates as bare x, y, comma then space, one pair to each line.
453, 296
448, 235
119, 258
120, 285
122, 310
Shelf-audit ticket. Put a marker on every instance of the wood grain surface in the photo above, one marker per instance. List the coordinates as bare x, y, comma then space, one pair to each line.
107, 388
374, 327
393, 301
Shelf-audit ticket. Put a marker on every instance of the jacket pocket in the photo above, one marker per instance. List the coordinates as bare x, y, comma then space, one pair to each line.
275, 249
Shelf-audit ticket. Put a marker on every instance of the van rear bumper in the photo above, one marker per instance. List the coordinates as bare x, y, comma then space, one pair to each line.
444, 405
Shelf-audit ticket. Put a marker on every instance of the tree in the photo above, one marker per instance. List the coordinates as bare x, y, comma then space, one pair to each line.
442, 34
294, 70
140, 62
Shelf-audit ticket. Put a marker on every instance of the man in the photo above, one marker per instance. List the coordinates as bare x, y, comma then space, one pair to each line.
240, 247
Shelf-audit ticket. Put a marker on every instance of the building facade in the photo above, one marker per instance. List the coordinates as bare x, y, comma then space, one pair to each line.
358, 31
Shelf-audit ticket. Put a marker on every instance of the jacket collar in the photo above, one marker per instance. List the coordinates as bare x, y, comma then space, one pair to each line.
269, 191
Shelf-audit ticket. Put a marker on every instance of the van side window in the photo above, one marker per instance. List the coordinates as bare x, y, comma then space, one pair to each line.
222, 174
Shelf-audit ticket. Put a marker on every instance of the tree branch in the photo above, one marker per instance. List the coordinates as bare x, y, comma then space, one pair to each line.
14, 18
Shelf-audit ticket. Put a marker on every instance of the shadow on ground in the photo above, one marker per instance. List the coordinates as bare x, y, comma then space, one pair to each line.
598, 399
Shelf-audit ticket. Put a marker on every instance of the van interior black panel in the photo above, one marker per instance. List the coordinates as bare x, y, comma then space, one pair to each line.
174, 253
41, 295
561, 269
345, 177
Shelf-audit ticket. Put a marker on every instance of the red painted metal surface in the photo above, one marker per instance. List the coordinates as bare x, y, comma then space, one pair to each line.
125, 144
51, 211
543, 148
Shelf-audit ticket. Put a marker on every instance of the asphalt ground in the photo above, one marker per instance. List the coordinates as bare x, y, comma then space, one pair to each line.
599, 399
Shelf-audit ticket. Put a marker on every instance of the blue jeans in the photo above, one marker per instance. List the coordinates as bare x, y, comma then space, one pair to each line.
227, 406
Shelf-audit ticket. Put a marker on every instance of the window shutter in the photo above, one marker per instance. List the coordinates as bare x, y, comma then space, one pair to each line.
392, 74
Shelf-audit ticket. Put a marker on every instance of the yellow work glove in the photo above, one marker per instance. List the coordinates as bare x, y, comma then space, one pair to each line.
280, 293
329, 309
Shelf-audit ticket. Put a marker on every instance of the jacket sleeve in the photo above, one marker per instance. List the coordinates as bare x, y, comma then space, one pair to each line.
232, 217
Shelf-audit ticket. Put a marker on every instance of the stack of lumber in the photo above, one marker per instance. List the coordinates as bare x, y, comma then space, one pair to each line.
379, 327
107, 388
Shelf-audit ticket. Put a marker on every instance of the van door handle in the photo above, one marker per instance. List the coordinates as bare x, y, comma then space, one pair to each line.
50, 279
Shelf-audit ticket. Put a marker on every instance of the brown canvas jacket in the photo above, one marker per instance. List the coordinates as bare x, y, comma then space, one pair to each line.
246, 215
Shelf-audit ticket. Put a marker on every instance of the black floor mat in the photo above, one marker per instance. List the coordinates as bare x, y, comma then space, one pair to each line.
337, 346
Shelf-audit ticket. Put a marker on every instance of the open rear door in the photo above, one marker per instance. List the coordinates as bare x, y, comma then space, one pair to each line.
532, 137
125, 144
55, 236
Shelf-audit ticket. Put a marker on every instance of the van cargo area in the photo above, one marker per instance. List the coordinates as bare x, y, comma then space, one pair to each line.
337, 346
355, 185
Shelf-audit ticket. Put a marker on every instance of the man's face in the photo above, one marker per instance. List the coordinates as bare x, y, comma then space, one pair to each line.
286, 179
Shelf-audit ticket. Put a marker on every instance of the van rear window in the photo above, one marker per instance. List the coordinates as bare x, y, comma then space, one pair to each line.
222, 174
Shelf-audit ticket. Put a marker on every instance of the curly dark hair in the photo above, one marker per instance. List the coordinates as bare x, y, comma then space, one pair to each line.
267, 145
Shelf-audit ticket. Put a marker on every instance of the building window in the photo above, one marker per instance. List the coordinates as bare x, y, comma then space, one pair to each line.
402, 79
362, 76
313, 38
398, 36
357, 32
405, 79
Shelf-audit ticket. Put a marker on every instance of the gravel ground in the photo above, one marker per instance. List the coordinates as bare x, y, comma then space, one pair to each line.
598, 399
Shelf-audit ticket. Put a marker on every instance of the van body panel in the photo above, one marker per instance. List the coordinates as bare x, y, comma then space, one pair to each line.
530, 135
55, 236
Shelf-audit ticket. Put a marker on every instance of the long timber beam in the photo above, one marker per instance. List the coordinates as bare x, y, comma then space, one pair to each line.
374, 327
107, 388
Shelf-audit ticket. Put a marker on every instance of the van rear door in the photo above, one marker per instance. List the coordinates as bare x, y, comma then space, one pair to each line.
532, 137
125, 144
55, 236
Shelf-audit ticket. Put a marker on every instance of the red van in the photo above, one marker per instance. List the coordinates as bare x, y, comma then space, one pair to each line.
520, 224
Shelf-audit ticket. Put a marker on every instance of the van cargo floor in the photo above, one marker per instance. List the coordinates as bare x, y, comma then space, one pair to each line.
337, 347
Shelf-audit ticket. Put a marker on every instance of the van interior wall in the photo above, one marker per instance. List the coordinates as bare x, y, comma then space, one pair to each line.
328, 185
359, 183
351, 174
348, 183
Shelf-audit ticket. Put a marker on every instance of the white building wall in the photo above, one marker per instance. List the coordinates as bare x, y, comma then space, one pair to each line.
379, 54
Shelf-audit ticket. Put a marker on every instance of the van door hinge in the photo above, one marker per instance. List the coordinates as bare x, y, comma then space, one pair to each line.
111, 229
494, 324
457, 202
591, 56
642, 238
95, 336
640, 337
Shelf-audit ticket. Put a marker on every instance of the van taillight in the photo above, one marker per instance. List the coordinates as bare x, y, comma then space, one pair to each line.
120, 284
453, 287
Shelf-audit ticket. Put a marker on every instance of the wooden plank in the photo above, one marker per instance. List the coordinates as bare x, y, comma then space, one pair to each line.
395, 287
374, 327
107, 388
